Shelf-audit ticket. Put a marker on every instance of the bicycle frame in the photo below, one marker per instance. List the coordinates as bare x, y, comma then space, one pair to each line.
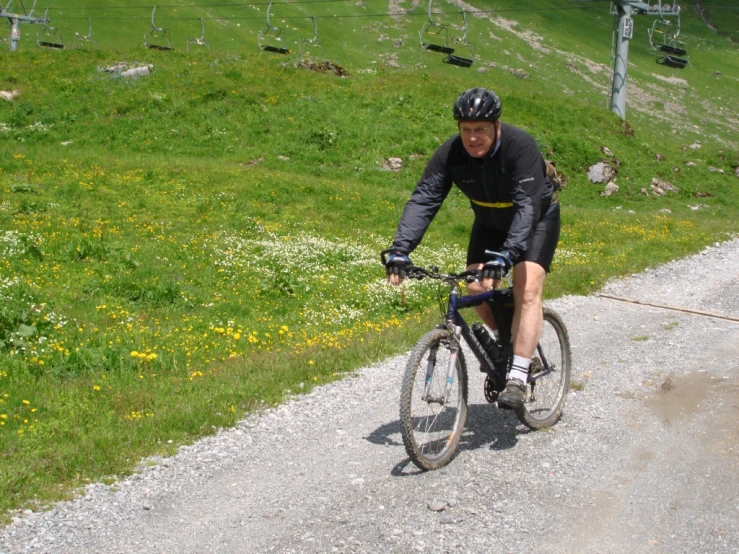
497, 299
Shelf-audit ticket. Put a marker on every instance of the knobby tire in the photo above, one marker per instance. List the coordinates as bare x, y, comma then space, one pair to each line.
431, 432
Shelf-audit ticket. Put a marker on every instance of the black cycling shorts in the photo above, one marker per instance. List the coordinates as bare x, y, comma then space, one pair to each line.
540, 249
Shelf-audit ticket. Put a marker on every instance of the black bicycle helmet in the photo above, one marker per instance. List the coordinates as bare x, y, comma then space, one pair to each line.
477, 104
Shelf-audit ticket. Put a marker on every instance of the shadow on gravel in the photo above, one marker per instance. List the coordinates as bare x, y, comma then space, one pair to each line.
487, 426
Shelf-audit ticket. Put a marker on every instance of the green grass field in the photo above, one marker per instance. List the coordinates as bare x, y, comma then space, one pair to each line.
184, 248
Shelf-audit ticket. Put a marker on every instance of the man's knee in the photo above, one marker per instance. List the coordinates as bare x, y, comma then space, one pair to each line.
475, 288
528, 283
529, 297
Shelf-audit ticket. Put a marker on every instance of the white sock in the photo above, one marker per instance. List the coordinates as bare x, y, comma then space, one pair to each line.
520, 369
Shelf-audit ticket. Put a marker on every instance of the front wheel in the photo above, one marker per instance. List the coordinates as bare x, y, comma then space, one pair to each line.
432, 421
549, 375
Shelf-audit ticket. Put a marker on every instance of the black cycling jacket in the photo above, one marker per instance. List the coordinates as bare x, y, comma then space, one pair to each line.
506, 190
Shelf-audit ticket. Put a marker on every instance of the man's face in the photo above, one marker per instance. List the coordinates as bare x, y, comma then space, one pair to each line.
478, 137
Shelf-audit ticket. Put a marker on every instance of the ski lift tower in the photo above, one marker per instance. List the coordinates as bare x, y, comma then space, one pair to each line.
15, 18
623, 32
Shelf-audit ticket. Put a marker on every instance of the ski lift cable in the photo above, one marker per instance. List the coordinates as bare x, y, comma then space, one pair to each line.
348, 16
179, 6
241, 5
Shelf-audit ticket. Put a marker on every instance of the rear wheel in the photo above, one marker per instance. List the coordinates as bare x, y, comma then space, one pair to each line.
546, 391
432, 424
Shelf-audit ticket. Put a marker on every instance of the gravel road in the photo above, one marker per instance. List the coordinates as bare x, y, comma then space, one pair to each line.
645, 458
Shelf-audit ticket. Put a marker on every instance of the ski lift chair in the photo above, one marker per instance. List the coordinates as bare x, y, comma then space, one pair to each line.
431, 32
673, 61
49, 37
456, 59
306, 42
270, 34
157, 34
80, 40
664, 41
199, 41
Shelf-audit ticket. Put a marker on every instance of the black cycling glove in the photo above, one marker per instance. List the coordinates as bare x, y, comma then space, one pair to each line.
498, 267
398, 264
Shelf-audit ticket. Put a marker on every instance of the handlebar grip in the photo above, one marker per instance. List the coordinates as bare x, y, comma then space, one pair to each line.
492, 254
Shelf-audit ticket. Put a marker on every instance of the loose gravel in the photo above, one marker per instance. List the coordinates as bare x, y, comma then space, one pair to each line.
645, 458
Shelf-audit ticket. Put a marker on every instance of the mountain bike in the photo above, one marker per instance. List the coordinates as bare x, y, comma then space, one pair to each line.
433, 401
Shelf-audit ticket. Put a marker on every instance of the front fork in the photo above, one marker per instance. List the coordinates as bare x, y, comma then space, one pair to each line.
453, 348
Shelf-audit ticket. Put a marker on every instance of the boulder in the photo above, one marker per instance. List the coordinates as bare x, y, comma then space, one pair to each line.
135, 72
601, 172
116, 68
10, 95
611, 188
392, 164
664, 185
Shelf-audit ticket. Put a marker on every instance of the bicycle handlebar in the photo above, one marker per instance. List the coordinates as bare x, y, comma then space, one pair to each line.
416, 272
419, 273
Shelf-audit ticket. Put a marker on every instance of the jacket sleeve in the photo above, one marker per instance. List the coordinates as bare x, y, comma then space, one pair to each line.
530, 184
424, 203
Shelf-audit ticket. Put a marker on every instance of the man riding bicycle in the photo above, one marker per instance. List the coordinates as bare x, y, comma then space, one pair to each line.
501, 170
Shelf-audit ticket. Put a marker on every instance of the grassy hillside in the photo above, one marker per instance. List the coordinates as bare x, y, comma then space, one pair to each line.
185, 247
550, 41
723, 16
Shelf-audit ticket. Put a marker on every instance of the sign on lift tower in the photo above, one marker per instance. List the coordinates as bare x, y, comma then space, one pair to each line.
623, 10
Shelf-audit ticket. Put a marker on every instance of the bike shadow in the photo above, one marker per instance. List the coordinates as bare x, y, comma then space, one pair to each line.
487, 427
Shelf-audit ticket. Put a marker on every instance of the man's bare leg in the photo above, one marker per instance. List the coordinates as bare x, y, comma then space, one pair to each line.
483, 310
528, 287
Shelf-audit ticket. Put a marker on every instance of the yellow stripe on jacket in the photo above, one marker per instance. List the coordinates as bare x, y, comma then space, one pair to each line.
493, 204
